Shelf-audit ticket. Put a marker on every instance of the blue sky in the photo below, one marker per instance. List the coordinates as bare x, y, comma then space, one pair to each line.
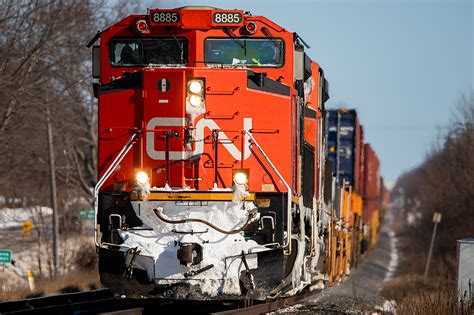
402, 64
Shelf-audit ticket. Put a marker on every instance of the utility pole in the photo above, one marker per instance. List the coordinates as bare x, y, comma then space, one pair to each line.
436, 220
52, 183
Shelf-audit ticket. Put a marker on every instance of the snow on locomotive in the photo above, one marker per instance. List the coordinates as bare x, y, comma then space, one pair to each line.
212, 158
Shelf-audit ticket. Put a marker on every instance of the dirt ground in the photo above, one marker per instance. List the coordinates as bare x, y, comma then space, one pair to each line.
359, 293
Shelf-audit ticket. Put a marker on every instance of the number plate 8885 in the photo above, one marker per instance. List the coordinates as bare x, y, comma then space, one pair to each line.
165, 17
227, 18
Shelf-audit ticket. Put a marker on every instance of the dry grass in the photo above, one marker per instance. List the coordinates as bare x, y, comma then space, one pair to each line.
73, 282
436, 296
83, 277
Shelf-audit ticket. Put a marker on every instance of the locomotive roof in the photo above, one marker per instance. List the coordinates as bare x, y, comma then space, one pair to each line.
197, 7
124, 22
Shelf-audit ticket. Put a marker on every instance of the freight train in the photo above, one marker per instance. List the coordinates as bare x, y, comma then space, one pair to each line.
214, 181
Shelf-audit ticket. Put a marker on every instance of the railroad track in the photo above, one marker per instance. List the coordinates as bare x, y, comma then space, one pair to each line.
90, 302
266, 307
103, 302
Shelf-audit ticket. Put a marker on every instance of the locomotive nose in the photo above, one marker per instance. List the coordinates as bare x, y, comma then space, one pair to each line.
164, 93
164, 115
168, 93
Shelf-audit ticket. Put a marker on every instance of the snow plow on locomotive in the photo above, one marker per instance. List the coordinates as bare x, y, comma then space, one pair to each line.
212, 171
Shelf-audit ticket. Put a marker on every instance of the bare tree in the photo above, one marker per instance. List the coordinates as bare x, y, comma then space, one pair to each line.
45, 67
443, 183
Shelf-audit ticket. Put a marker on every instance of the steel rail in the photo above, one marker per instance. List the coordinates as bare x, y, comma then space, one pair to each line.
102, 300
55, 301
269, 306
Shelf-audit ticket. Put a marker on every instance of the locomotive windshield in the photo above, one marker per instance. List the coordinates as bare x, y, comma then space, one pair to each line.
148, 51
251, 52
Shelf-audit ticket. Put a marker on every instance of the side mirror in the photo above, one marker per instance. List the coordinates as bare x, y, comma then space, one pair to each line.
96, 66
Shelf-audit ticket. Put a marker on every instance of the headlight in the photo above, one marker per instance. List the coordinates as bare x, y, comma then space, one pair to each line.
142, 177
240, 178
195, 100
195, 94
195, 86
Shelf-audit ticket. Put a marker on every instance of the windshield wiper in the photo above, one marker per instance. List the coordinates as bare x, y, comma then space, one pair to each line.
228, 31
180, 45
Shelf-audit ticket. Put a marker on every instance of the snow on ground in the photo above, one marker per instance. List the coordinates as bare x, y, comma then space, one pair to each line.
392, 240
392, 266
14, 217
388, 307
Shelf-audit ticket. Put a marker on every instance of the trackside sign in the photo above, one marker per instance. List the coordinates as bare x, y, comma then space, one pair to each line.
5, 256
86, 214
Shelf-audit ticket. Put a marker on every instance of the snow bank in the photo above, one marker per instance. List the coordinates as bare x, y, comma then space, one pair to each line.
388, 307
14, 217
392, 266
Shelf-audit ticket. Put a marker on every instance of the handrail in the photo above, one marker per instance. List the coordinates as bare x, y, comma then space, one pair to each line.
107, 174
288, 224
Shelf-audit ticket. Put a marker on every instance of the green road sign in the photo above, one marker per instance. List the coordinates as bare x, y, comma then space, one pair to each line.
5, 256
86, 214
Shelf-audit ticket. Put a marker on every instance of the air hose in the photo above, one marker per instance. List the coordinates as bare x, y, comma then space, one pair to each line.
162, 218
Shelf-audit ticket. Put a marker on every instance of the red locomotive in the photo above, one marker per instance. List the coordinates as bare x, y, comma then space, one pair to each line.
211, 157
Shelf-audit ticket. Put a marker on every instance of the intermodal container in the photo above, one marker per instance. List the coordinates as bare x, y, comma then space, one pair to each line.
345, 138
371, 193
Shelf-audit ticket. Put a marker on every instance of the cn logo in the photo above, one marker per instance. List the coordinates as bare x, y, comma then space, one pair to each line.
199, 148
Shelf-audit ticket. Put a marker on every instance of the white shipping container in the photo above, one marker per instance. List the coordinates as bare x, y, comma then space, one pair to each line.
466, 268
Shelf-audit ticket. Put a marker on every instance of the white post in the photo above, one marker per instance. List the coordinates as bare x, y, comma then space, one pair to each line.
436, 220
